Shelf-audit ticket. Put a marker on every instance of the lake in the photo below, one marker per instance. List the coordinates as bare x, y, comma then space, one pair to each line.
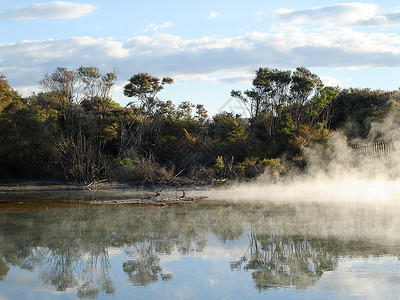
53, 246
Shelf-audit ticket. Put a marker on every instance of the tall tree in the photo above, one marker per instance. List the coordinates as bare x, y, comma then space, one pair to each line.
355, 109
305, 87
24, 143
81, 99
278, 92
145, 87
7, 94
144, 130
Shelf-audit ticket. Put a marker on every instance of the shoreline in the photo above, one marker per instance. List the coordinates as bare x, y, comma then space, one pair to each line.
60, 194
101, 185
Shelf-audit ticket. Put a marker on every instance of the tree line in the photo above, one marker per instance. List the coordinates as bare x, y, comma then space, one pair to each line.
72, 130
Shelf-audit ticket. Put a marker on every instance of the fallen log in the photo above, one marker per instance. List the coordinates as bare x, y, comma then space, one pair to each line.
152, 200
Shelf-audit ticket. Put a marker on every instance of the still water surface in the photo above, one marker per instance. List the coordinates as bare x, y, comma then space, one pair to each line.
213, 250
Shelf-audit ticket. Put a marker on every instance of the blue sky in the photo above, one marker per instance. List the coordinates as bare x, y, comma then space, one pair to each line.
208, 47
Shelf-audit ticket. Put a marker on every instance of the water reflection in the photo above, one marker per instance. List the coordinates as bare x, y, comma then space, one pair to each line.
287, 245
3, 269
278, 261
145, 267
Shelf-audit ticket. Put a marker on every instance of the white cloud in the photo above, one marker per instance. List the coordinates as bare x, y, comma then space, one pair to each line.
212, 58
331, 81
260, 15
350, 48
236, 77
213, 15
51, 10
158, 27
195, 78
343, 14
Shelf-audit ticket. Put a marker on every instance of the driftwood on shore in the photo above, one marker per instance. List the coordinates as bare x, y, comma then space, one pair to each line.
153, 200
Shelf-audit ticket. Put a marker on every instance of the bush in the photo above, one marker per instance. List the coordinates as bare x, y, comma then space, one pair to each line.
136, 169
273, 168
219, 166
248, 169
254, 167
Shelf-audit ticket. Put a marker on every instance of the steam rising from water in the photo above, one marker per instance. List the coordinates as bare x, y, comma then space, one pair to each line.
336, 172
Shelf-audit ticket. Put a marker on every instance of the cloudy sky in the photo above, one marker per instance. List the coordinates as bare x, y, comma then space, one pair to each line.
208, 47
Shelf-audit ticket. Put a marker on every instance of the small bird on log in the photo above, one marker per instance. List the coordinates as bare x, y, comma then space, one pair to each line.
183, 194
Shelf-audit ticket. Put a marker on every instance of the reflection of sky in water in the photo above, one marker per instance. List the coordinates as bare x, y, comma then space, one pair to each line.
213, 251
373, 277
207, 275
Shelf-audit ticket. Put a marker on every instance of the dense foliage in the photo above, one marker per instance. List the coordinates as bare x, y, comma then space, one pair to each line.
72, 130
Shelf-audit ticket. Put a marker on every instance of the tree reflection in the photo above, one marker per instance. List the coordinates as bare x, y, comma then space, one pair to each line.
144, 268
62, 246
3, 269
60, 269
67, 268
287, 246
70, 247
283, 261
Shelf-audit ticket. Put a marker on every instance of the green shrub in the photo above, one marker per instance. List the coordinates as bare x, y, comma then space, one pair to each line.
248, 169
219, 166
254, 167
137, 169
